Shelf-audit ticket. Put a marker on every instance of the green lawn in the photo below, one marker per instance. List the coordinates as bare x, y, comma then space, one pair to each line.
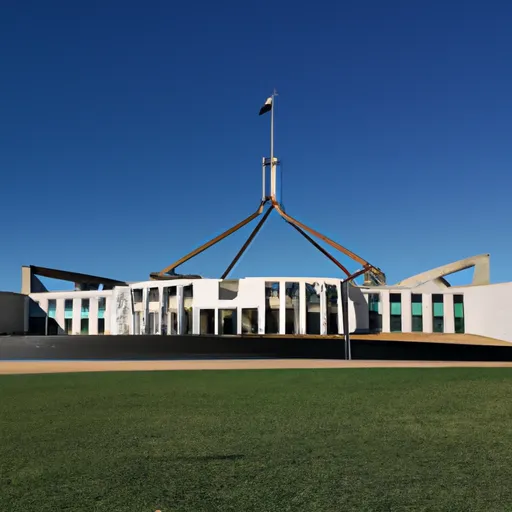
289, 440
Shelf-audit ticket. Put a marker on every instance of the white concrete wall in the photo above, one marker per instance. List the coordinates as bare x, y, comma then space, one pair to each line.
77, 296
488, 310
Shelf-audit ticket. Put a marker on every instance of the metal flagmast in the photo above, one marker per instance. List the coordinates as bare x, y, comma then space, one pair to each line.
272, 167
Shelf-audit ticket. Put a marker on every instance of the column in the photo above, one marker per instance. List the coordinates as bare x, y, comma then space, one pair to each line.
340, 308
427, 312
93, 315
180, 309
282, 307
59, 315
406, 311
386, 311
323, 309
108, 312
449, 314
163, 308
145, 307
77, 316
302, 307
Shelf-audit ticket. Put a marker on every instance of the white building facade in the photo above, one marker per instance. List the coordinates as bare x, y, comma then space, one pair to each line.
281, 306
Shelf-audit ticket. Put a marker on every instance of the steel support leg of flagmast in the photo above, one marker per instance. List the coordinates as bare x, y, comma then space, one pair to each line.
213, 241
247, 243
326, 239
320, 248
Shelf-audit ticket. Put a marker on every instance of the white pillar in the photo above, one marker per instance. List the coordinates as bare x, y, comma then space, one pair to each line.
93, 315
77, 316
426, 306
282, 307
406, 311
449, 314
108, 309
145, 308
163, 307
59, 315
340, 308
180, 309
323, 309
386, 311
302, 307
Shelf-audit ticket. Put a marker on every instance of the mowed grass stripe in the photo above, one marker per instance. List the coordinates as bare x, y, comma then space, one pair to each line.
351, 439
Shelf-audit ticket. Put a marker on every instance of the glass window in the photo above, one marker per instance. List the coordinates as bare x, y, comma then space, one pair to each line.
207, 321
227, 321
312, 309
153, 295
417, 312
332, 308
395, 300
292, 291
250, 321
84, 326
52, 308
102, 302
85, 308
68, 308
437, 312
272, 308
374, 312
458, 310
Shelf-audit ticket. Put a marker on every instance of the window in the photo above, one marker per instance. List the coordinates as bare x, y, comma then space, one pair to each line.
137, 322
52, 308
292, 291
84, 312
227, 321
417, 312
312, 309
207, 321
374, 313
101, 326
137, 295
250, 321
272, 308
228, 290
152, 322
84, 326
332, 309
153, 295
68, 308
437, 312
68, 325
458, 310
395, 300
102, 302
187, 321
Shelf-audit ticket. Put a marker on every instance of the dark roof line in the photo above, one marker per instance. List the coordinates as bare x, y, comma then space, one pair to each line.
75, 277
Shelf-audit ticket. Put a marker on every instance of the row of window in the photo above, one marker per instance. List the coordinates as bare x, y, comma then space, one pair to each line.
84, 315
395, 303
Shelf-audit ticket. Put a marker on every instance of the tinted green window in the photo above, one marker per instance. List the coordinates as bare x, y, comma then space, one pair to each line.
396, 308
416, 309
68, 308
438, 309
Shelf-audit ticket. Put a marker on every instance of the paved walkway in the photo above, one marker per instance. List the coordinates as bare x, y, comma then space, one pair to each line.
28, 367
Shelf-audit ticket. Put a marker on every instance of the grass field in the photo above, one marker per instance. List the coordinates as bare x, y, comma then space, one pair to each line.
322, 440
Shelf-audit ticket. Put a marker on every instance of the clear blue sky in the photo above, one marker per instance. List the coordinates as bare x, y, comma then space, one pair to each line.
129, 133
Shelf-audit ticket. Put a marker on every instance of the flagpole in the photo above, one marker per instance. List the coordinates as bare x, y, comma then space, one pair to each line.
272, 168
